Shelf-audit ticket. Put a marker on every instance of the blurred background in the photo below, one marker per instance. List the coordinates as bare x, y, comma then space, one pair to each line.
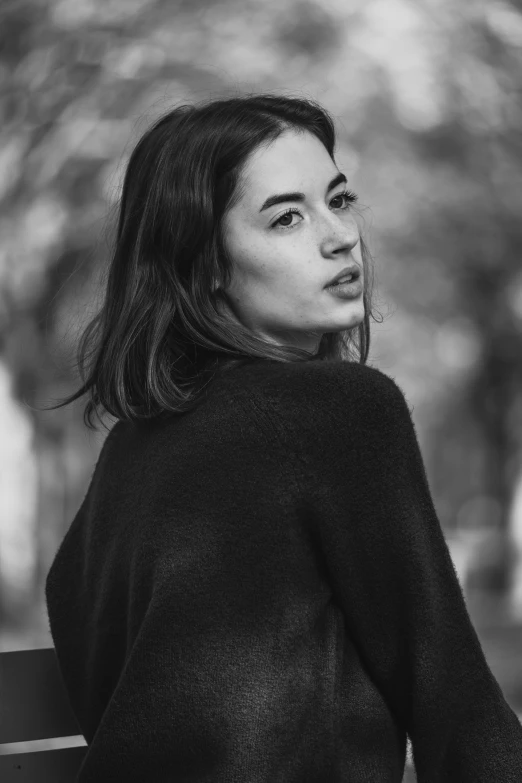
427, 102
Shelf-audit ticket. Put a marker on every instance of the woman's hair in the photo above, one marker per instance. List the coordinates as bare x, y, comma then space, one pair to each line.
161, 335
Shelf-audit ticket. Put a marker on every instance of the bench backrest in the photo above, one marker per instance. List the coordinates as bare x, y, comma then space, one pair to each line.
33, 706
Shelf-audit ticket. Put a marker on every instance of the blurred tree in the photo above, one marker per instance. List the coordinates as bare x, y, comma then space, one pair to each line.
470, 222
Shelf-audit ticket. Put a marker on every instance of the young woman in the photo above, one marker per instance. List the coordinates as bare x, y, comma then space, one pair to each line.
256, 587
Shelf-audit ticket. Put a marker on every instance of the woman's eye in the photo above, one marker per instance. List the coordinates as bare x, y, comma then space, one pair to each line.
337, 198
350, 197
286, 217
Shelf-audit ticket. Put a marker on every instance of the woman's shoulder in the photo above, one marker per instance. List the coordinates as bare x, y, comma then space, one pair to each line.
310, 383
335, 397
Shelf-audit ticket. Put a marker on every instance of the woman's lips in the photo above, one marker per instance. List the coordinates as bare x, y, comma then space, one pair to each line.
347, 290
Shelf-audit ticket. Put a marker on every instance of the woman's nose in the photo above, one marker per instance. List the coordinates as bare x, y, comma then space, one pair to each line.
338, 235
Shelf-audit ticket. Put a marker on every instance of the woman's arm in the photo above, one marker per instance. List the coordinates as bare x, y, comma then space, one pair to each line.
392, 572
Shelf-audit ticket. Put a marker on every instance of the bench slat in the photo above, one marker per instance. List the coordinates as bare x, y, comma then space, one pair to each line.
42, 766
33, 701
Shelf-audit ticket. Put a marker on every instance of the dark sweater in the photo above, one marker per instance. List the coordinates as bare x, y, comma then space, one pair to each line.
259, 591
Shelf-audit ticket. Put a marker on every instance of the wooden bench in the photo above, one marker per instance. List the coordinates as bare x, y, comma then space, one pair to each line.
34, 706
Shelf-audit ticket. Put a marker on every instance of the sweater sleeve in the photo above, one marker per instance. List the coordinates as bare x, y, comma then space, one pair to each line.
372, 515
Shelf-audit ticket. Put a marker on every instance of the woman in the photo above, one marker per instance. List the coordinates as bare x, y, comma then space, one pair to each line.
256, 587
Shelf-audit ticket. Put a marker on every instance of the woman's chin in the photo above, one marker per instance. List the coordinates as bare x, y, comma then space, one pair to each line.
351, 317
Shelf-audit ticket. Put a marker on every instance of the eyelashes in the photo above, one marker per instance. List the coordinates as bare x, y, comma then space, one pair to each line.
350, 196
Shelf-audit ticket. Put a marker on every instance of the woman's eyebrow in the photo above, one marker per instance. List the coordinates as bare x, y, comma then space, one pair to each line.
271, 200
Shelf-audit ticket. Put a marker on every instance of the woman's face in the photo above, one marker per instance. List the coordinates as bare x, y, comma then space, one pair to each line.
281, 261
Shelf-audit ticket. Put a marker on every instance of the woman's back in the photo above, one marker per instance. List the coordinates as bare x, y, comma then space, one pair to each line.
233, 602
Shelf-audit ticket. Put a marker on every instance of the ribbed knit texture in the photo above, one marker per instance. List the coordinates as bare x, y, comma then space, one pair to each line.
259, 591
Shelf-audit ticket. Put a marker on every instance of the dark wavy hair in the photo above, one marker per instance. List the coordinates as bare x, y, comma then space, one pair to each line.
161, 334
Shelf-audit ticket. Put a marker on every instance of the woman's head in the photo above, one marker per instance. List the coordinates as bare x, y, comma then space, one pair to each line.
290, 231
205, 273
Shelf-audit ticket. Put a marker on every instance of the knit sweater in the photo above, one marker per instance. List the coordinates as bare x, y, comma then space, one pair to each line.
260, 591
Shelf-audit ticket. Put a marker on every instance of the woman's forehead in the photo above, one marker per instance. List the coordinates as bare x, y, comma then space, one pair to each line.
292, 162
